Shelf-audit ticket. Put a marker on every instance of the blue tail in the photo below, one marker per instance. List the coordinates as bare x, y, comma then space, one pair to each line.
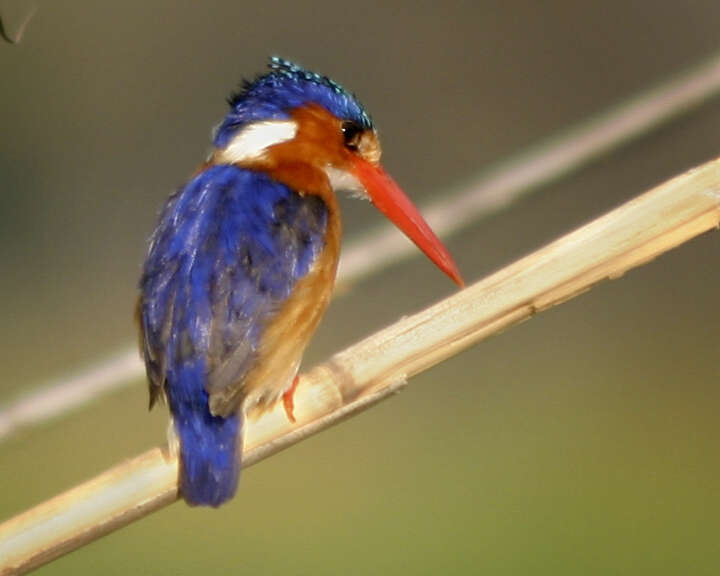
210, 446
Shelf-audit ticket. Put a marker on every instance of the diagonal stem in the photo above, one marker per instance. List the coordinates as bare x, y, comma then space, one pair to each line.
378, 366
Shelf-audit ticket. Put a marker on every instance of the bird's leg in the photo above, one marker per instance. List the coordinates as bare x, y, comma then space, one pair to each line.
288, 399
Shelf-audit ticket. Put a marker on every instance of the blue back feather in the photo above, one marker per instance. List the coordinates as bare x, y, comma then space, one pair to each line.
285, 87
228, 250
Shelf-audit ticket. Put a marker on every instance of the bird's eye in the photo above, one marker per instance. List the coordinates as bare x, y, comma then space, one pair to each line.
352, 133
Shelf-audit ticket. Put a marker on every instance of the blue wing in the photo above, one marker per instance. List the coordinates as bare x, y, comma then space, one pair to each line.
227, 252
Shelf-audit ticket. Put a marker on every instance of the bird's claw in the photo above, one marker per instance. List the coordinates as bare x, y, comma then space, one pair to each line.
288, 399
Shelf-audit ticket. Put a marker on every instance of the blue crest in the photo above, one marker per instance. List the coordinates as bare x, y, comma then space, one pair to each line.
287, 86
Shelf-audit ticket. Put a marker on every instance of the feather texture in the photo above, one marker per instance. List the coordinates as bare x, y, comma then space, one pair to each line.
285, 87
226, 255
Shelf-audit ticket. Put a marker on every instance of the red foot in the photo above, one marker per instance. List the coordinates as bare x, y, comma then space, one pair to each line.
288, 399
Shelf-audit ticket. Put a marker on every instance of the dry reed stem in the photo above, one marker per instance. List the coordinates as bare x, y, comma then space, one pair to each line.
369, 371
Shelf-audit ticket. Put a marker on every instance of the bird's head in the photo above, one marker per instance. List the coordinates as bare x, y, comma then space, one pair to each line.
307, 131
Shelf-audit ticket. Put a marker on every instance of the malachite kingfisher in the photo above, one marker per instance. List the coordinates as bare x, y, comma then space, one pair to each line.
241, 265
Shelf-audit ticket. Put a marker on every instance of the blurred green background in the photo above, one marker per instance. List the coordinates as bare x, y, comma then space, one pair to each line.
583, 442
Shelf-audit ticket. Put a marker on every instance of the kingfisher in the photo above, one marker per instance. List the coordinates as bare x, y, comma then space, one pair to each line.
242, 262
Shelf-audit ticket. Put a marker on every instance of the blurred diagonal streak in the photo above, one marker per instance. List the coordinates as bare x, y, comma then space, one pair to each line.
62, 395
498, 187
16, 38
491, 191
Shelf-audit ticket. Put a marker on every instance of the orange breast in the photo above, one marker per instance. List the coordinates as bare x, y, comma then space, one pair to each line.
289, 332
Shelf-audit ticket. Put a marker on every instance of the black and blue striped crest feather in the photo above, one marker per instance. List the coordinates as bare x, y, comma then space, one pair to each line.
287, 86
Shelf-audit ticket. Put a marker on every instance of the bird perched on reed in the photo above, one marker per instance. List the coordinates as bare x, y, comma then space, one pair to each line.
242, 263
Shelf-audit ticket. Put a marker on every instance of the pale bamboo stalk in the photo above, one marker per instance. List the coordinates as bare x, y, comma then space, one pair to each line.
369, 371
490, 191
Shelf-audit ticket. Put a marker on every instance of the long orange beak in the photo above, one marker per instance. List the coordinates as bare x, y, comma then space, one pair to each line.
387, 197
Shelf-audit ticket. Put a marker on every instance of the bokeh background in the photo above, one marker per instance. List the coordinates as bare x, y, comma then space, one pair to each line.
583, 442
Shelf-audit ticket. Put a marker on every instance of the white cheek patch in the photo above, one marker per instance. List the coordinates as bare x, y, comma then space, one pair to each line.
253, 140
343, 181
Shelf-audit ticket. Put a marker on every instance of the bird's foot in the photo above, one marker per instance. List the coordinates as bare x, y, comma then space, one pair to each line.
288, 399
